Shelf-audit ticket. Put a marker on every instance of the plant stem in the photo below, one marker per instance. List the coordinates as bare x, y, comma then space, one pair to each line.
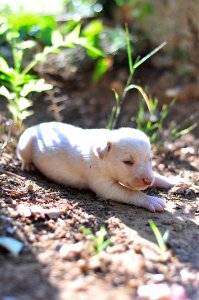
42, 55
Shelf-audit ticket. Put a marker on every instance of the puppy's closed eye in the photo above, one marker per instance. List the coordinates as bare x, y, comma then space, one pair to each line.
128, 162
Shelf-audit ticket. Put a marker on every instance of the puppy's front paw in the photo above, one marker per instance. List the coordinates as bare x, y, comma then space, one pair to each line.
154, 203
180, 182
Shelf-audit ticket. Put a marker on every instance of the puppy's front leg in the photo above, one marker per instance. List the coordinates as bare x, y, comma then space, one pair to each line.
166, 183
162, 182
115, 191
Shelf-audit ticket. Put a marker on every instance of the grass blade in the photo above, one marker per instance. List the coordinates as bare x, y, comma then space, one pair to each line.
142, 60
185, 131
158, 235
128, 42
142, 92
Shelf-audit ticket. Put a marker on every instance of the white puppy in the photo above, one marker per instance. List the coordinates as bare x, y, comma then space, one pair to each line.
115, 164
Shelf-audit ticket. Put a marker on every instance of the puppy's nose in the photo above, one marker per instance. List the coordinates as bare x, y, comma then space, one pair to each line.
147, 180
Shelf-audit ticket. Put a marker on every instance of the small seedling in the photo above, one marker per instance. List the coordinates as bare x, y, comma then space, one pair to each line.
161, 239
99, 239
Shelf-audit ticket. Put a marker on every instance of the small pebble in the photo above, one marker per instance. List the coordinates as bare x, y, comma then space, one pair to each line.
67, 250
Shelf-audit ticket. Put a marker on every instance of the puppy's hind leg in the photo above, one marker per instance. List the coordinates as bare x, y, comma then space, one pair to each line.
24, 150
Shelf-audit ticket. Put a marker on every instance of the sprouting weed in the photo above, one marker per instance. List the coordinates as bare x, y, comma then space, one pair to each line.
152, 124
100, 242
161, 239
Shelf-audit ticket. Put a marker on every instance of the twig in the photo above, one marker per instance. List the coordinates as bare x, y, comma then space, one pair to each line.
11, 174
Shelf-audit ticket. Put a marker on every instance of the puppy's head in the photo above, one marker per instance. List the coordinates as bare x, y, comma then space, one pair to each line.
126, 158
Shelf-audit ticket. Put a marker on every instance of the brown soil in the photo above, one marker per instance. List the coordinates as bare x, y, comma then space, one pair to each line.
45, 269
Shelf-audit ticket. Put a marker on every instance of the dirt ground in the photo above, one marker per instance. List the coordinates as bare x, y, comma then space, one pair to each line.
56, 262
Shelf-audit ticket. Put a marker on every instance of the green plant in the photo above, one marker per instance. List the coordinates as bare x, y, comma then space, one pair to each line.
99, 239
17, 83
181, 129
30, 26
119, 100
152, 124
161, 239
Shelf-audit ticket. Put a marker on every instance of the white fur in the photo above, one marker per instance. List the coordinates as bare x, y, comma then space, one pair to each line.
114, 164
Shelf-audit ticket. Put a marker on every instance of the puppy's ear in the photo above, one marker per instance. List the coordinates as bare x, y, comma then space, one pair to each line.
102, 150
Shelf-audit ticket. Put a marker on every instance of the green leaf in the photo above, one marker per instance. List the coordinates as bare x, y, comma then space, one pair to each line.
12, 35
101, 67
4, 67
104, 245
72, 36
93, 28
17, 81
84, 42
68, 26
18, 114
5, 93
184, 131
86, 231
3, 27
142, 60
128, 41
30, 24
101, 235
56, 38
13, 110
37, 85
117, 98
25, 114
158, 235
166, 236
26, 44
23, 103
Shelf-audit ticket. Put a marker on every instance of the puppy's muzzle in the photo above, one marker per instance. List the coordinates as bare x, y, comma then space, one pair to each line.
147, 180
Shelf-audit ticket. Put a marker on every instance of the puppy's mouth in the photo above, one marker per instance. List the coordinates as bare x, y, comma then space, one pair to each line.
133, 188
